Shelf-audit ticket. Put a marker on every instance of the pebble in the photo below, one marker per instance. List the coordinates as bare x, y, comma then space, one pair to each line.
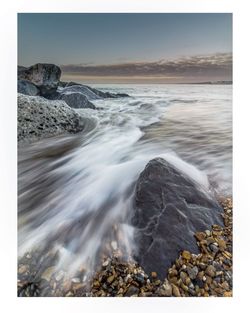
153, 274
110, 279
200, 236
47, 274
192, 271
208, 233
176, 291
214, 248
210, 270
132, 290
208, 273
166, 289
186, 255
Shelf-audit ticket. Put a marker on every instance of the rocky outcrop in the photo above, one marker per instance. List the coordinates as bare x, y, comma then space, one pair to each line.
44, 79
169, 208
39, 118
44, 76
27, 88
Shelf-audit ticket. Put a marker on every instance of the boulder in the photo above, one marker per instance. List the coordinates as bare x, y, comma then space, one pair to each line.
39, 118
76, 100
27, 88
90, 92
85, 90
45, 76
169, 207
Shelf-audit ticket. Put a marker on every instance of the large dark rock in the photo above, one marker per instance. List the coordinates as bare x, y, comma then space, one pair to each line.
27, 88
45, 76
169, 208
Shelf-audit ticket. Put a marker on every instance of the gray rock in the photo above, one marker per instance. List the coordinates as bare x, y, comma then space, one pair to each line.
169, 207
213, 248
39, 118
85, 90
27, 88
77, 96
89, 92
45, 76
132, 290
192, 271
165, 290
76, 100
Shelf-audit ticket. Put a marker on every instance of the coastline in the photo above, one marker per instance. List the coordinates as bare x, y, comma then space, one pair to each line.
208, 273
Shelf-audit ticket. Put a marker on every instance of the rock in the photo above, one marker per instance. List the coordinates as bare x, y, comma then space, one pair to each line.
110, 279
165, 290
228, 294
210, 271
76, 280
88, 92
132, 290
44, 76
139, 278
186, 255
27, 88
192, 271
208, 233
168, 208
40, 118
200, 236
153, 274
79, 96
214, 248
23, 269
47, 274
76, 100
176, 291
222, 244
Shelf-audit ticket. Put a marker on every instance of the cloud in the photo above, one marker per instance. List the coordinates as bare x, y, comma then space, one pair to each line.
216, 65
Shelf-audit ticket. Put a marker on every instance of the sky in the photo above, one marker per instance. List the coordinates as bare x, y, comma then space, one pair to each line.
129, 48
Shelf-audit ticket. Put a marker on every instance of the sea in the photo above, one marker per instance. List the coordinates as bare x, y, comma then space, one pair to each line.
76, 191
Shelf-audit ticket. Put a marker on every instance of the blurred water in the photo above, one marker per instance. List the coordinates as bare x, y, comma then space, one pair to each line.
75, 191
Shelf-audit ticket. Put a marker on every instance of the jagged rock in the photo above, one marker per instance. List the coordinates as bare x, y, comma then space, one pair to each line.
169, 208
27, 88
45, 76
39, 118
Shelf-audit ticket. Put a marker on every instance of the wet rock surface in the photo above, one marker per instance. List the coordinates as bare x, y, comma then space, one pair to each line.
169, 208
